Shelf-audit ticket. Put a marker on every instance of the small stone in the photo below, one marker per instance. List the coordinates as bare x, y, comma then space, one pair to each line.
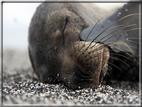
58, 74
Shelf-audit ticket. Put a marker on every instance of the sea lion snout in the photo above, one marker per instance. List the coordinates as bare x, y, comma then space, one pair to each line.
86, 64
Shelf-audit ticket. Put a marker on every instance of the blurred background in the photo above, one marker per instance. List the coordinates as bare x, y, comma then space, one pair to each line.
17, 17
16, 20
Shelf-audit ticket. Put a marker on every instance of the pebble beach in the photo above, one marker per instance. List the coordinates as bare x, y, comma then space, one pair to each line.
20, 87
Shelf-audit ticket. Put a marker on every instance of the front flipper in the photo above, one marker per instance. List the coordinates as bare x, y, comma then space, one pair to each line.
119, 31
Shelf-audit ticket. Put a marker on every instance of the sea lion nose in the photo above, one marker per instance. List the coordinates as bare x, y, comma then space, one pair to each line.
78, 77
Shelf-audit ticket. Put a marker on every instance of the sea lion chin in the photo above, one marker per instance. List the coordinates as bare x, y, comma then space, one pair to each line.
56, 52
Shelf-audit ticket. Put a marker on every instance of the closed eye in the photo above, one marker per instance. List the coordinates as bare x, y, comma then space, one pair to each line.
64, 24
63, 28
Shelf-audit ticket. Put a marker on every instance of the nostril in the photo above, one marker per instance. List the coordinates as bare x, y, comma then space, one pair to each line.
78, 77
78, 73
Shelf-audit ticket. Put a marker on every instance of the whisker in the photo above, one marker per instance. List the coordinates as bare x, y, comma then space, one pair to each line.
115, 66
115, 31
133, 41
120, 60
134, 38
109, 67
118, 42
98, 54
127, 47
105, 30
114, 47
121, 50
91, 31
132, 52
132, 46
131, 29
108, 74
121, 55
93, 28
109, 27
128, 16
86, 50
115, 26
108, 70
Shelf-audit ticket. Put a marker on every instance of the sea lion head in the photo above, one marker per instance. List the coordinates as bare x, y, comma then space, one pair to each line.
58, 55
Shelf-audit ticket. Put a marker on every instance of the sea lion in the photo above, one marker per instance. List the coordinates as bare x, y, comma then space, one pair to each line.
57, 50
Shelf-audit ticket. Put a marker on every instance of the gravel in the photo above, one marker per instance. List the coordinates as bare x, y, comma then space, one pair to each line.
21, 87
34, 92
